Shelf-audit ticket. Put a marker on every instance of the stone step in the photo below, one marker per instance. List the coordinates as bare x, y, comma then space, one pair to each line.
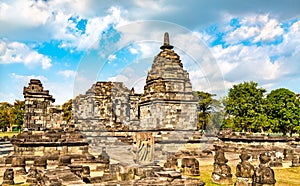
5, 148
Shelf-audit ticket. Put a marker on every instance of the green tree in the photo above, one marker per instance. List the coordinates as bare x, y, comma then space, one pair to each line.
207, 109
5, 115
283, 111
67, 111
245, 108
18, 113
11, 115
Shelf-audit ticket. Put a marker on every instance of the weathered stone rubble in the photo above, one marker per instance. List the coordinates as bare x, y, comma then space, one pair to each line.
296, 161
244, 171
264, 175
281, 148
49, 144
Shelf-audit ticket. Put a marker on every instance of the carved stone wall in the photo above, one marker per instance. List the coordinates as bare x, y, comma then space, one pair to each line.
37, 100
105, 105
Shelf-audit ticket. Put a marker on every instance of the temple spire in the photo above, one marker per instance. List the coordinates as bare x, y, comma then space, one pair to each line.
166, 42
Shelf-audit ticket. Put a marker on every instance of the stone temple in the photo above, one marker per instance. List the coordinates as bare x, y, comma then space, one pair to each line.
167, 103
166, 112
37, 102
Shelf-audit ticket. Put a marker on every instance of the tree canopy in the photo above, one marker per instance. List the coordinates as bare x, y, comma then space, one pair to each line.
249, 108
283, 111
209, 111
11, 115
67, 111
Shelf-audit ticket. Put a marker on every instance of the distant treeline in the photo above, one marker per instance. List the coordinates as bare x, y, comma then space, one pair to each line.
248, 108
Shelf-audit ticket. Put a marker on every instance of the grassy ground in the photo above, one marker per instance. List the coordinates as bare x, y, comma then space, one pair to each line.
9, 134
283, 176
287, 176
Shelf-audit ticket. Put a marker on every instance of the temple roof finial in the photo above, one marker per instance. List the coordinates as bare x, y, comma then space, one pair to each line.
166, 42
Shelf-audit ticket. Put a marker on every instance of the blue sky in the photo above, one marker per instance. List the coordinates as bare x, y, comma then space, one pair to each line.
69, 45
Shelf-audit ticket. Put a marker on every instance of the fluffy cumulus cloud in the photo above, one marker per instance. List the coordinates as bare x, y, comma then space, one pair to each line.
257, 48
83, 39
16, 52
65, 21
254, 28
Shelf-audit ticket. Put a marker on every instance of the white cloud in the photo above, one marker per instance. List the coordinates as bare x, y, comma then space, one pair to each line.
246, 63
67, 73
94, 27
291, 42
257, 28
239, 62
25, 13
8, 97
57, 20
131, 50
270, 29
112, 57
15, 52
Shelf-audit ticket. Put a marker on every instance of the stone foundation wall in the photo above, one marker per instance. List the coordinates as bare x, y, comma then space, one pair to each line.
168, 115
257, 147
31, 152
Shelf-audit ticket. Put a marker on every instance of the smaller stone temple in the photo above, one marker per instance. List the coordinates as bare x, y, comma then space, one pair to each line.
37, 102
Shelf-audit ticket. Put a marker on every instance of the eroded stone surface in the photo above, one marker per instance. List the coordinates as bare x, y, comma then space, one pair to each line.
222, 172
8, 177
37, 100
244, 170
264, 175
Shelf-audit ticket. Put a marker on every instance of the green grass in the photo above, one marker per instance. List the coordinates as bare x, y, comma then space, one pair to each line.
287, 176
9, 134
205, 175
